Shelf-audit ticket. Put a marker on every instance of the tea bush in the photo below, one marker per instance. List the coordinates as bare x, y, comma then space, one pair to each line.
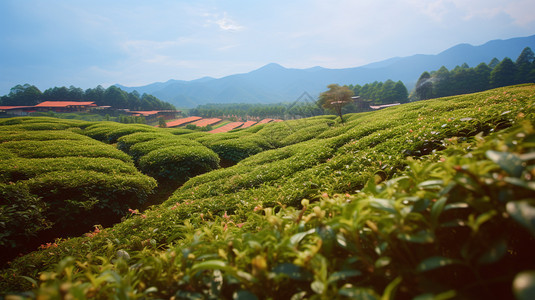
41, 135
178, 163
16, 169
125, 142
143, 148
406, 202
452, 225
58, 182
64, 148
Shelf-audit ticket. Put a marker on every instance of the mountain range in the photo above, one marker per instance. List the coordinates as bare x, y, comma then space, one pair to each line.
274, 83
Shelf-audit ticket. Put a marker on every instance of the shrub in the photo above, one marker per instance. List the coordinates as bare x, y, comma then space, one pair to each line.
63, 148
129, 129
86, 197
22, 217
16, 169
125, 142
179, 163
140, 149
41, 135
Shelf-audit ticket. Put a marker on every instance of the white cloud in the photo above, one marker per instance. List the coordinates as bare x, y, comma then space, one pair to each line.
224, 22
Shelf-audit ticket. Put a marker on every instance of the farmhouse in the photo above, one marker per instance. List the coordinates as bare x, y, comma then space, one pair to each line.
152, 115
65, 106
16, 110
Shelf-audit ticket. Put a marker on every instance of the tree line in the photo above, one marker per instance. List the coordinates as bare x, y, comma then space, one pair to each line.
378, 93
29, 95
244, 111
464, 79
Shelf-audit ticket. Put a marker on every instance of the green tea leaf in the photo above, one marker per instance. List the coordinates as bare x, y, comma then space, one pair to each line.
343, 275
298, 237
244, 295
292, 271
421, 237
210, 265
509, 162
436, 210
358, 293
383, 204
318, 287
436, 262
522, 212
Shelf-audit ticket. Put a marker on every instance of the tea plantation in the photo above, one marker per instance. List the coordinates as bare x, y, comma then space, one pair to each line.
426, 200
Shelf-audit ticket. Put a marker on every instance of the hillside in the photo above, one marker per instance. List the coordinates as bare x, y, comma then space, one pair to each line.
274, 83
425, 199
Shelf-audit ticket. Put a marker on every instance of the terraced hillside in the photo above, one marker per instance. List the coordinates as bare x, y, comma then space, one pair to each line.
427, 199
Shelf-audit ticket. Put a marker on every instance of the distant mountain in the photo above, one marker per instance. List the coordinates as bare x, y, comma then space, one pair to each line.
274, 83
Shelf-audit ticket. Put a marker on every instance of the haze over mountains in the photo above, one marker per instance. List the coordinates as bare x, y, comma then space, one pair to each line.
274, 83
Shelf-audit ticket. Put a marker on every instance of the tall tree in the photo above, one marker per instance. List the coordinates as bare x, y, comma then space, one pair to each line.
23, 95
441, 86
336, 98
424, 87
401, 94
482, 77
525, 64
116, 97
503, 74
494, 62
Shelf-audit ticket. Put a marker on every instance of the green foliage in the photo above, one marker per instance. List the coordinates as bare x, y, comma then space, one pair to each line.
463, 79
60, 181
63, 148
178, 163
29, 95
378, 93
125, 142
414, 201
109, 132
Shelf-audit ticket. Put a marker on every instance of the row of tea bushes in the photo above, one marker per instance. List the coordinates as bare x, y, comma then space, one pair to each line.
211, 237
457, 224
110, 132
58, 182
240, 144
168, 157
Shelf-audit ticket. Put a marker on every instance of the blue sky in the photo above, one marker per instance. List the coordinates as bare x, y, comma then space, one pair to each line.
90, 42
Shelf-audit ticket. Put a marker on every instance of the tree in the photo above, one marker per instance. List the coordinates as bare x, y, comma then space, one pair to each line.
336, 98
482, 73
441, 87
524, 64
424, 87
503, 74
23, 95
401, 94
493, 63
161, 122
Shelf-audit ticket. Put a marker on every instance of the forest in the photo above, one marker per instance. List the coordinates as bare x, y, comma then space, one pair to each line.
463, 79
28, 95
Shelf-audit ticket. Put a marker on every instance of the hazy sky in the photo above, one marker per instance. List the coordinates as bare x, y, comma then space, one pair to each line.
132, 42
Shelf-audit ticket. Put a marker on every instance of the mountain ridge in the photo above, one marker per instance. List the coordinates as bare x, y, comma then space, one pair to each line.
273, 82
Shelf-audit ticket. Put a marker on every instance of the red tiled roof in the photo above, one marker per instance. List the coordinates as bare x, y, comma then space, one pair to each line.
182, 121
265, 121
227, 127
248, 124
206, 122
12, 107
64, 103
145, 113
